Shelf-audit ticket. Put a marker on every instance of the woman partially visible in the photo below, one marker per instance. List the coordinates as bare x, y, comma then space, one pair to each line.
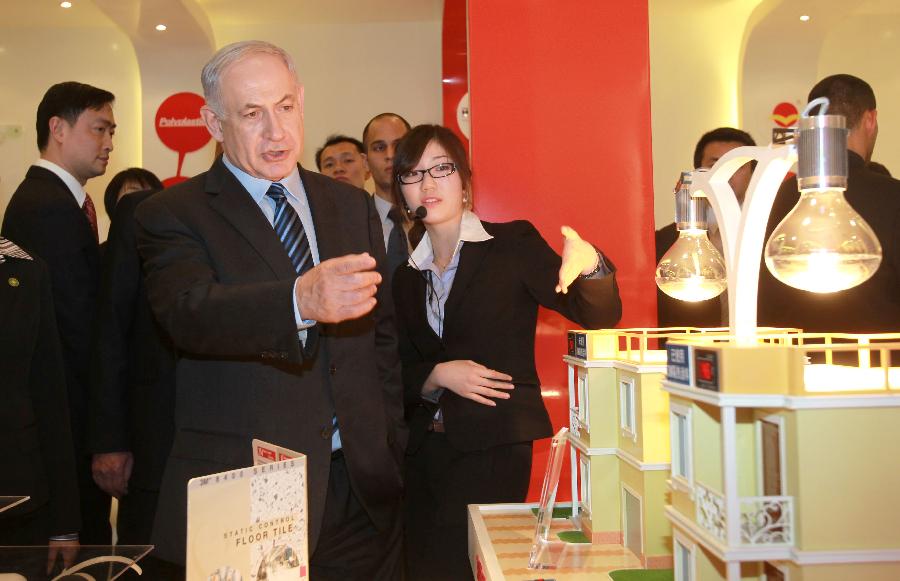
128, 181
467, 305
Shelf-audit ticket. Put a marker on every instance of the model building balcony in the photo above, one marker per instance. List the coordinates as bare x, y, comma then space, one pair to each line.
785, 366
766, 521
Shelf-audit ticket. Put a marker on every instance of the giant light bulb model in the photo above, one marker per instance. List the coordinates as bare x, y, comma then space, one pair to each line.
823, 245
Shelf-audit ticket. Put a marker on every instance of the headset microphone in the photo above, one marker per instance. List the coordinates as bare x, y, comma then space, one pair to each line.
420, 212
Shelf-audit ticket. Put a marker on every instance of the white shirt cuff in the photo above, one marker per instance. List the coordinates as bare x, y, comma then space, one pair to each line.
302, 323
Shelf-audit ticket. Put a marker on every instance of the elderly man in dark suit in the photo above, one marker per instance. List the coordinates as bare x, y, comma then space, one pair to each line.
51, 214
874, 305
264, 274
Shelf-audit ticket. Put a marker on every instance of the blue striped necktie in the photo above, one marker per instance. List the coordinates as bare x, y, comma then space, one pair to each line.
290, 230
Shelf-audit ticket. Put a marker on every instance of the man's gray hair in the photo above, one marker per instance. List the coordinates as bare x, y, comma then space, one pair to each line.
211, 76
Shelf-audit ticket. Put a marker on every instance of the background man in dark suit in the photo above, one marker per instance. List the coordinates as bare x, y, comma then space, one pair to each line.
133, 386
380, 137
713, 312
874, 305
37, 458
308, 362
52, 215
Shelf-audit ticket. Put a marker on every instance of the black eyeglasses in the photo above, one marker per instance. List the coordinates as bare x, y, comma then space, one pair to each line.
414, 176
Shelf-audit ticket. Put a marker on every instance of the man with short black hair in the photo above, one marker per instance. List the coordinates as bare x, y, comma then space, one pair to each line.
52, 215
343, 158
712, 312
380, 137
874, 305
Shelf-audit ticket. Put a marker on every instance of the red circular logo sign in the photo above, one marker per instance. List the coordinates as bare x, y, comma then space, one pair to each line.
785, 114
179, 125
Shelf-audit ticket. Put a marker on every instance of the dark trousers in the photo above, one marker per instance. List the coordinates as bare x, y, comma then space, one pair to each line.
95, 506
440, 484
349, 548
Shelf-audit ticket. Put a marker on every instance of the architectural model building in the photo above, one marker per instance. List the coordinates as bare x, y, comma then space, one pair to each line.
784, 458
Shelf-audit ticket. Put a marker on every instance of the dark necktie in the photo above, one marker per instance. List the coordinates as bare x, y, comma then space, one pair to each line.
397, 250
290, 230
91, 214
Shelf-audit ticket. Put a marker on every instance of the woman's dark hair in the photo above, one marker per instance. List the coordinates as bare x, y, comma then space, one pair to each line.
147, 179
409, 152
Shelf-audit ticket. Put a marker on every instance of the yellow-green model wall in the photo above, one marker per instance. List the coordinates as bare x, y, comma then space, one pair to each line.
709, 567
654, 419
658, 530
845, 572
747, 453
625, 442
707, 445
603, 407
606, 513
849, 478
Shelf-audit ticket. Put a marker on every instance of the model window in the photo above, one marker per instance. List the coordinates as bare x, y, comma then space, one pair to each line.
627, 408
680, 424
684, 558
583, 399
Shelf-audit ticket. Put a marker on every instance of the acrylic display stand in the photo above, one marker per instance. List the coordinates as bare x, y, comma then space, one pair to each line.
7, 502
544, 552
89, 562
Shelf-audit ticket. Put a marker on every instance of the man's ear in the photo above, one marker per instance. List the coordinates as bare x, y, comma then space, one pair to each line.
58, 128
213, 123
870, 119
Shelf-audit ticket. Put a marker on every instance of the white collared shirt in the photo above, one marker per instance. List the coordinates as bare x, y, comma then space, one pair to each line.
73, 184
440, 283
387, 225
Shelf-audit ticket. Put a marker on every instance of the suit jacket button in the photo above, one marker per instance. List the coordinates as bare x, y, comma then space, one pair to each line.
326, 433
333, 369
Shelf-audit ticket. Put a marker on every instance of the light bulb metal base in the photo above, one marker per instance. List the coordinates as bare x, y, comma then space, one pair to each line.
822, 153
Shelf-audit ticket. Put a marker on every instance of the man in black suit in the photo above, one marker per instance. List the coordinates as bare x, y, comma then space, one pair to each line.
133, 386
874, 305
263, 273
37, 458
380, 138
672, 312
52, 215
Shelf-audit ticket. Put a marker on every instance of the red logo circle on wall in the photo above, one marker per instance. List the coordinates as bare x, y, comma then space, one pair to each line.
785, 114
179, 125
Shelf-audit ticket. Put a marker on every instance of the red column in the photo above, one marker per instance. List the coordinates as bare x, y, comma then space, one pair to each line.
560, 101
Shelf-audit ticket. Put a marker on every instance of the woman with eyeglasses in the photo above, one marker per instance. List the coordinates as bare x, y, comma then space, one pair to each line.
467, 304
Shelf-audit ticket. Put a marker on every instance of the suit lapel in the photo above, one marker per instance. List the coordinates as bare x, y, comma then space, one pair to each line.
471, 255
325, 218
59, 187
234, 203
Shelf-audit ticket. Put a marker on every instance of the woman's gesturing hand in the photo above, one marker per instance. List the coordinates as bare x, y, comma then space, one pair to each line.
470, 380
578, 257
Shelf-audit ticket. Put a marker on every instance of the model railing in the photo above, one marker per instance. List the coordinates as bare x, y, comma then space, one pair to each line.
710, 510
765, 520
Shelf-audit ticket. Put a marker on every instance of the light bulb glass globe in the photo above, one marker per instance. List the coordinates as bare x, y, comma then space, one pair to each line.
692, 269
823, 245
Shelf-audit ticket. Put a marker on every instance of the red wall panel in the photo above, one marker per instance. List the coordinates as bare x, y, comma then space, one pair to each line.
560, 100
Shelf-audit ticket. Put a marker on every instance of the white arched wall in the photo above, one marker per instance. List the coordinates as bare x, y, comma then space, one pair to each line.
353, 68
695, 57
34, 56
785, 57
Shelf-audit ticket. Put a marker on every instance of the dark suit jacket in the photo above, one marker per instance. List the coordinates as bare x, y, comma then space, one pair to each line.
221, 284
873, 306
672, 312
43, 216
133, 375
490, 317
36, 452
